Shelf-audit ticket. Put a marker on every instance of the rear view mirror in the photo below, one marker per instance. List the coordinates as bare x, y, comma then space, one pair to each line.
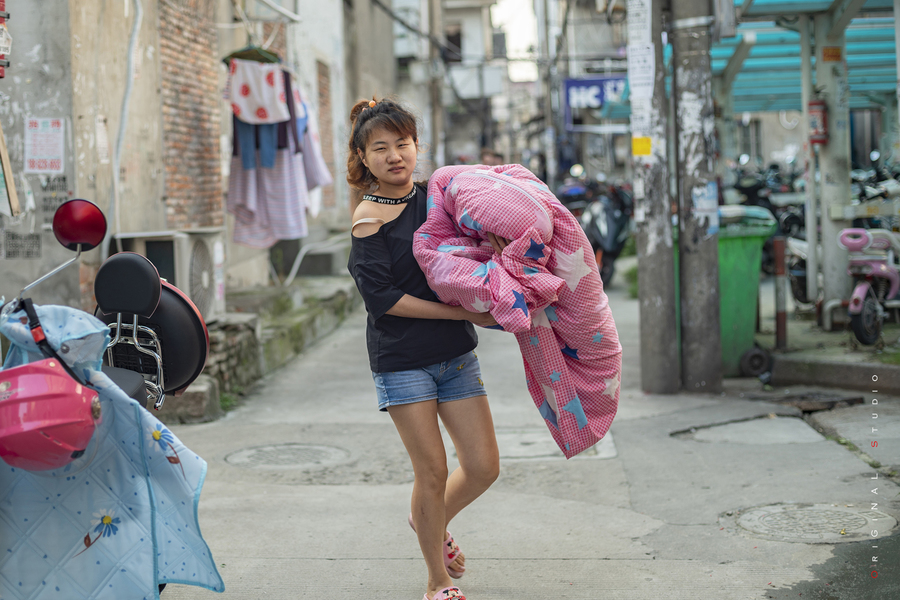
79, 223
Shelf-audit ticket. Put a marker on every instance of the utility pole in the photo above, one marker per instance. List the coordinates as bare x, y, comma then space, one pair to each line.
812, 209
435, 29
660, 372
549, 130
834, 164
698, 218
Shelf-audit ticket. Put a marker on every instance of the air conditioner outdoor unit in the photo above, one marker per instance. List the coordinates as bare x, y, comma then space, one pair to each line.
193, 260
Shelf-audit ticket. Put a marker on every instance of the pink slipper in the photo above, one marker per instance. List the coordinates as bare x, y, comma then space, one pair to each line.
450, 593
450, 552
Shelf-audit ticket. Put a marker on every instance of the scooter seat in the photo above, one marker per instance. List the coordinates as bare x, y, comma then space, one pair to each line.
127, 283
130, 382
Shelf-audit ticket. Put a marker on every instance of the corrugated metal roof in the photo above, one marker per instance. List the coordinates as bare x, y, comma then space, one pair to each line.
769, 78
775, 8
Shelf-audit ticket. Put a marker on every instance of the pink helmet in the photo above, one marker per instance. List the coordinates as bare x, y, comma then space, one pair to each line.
46, 417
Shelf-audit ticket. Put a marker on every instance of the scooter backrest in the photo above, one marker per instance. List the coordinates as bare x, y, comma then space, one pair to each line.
127, 283
182, 334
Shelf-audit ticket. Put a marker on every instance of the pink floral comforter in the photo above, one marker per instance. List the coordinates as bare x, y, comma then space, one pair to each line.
545, 288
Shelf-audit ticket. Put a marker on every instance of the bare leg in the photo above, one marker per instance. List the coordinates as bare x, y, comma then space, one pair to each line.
471, 428
418, 427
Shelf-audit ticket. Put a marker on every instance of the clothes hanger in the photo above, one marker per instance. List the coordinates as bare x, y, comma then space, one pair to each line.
253, 52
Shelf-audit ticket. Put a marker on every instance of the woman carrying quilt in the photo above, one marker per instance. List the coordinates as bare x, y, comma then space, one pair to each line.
420, 350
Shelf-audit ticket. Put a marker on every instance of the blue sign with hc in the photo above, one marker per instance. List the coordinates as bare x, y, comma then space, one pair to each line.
592, 93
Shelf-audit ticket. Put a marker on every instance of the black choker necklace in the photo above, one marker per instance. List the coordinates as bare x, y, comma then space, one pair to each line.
383, 200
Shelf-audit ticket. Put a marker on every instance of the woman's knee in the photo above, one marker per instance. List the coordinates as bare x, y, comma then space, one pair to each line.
432, 476
485, 471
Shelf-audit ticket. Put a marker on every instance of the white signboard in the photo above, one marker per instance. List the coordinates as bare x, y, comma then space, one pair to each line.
5, 40
639, 22
44, 146
641, 70
641, 113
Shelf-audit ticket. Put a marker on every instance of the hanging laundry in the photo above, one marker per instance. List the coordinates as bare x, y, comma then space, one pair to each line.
301, 111
257, 92
317, 173
269, 204
266, 138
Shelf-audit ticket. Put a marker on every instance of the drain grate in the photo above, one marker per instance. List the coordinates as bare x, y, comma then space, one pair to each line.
288, 456
811, 523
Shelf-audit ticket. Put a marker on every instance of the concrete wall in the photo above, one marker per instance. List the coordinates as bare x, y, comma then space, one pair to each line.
37, 84
99, 45
782, 137
312, 44
369, 51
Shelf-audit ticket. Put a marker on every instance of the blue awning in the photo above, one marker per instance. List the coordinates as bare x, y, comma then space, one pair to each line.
769, 78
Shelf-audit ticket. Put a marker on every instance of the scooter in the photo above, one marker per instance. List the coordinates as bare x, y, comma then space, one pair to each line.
873, 265
608, 223
61, 419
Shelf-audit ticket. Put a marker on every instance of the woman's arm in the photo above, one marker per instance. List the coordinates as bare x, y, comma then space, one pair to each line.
416, 308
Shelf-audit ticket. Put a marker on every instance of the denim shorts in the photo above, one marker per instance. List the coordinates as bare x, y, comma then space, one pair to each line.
449, 380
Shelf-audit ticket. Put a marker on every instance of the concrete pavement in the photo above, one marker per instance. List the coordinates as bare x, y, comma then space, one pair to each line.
308, 490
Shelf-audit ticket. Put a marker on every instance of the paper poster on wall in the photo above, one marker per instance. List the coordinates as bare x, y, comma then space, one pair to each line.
9, 201
706, 204
640, 22
44, 146
641, 70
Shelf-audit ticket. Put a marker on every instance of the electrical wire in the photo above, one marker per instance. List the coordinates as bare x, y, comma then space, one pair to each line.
246, 21
434, 41
115, 215
272, 35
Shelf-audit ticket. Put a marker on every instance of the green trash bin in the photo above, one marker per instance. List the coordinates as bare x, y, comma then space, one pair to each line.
742, 232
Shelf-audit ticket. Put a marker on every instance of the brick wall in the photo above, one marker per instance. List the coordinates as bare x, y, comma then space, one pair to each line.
326, 131
191, 118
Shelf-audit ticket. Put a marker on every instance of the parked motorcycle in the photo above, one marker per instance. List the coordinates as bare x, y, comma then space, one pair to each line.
798, 254
874, 268
60, 418
578, 191
608, 222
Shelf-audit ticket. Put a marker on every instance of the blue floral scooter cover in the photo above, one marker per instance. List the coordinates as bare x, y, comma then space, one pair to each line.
117, 521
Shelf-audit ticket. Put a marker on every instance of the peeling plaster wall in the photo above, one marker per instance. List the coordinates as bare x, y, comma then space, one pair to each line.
37, 84
100, 34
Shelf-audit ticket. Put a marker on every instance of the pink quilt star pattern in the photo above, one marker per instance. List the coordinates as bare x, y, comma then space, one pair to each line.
545, 288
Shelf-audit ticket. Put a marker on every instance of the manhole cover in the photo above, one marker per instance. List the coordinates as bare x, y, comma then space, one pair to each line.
812, 523
288, 456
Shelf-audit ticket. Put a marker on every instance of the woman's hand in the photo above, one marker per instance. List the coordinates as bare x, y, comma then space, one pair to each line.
484, 319
497, 243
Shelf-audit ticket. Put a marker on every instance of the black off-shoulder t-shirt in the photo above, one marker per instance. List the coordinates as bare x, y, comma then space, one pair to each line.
384, 269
